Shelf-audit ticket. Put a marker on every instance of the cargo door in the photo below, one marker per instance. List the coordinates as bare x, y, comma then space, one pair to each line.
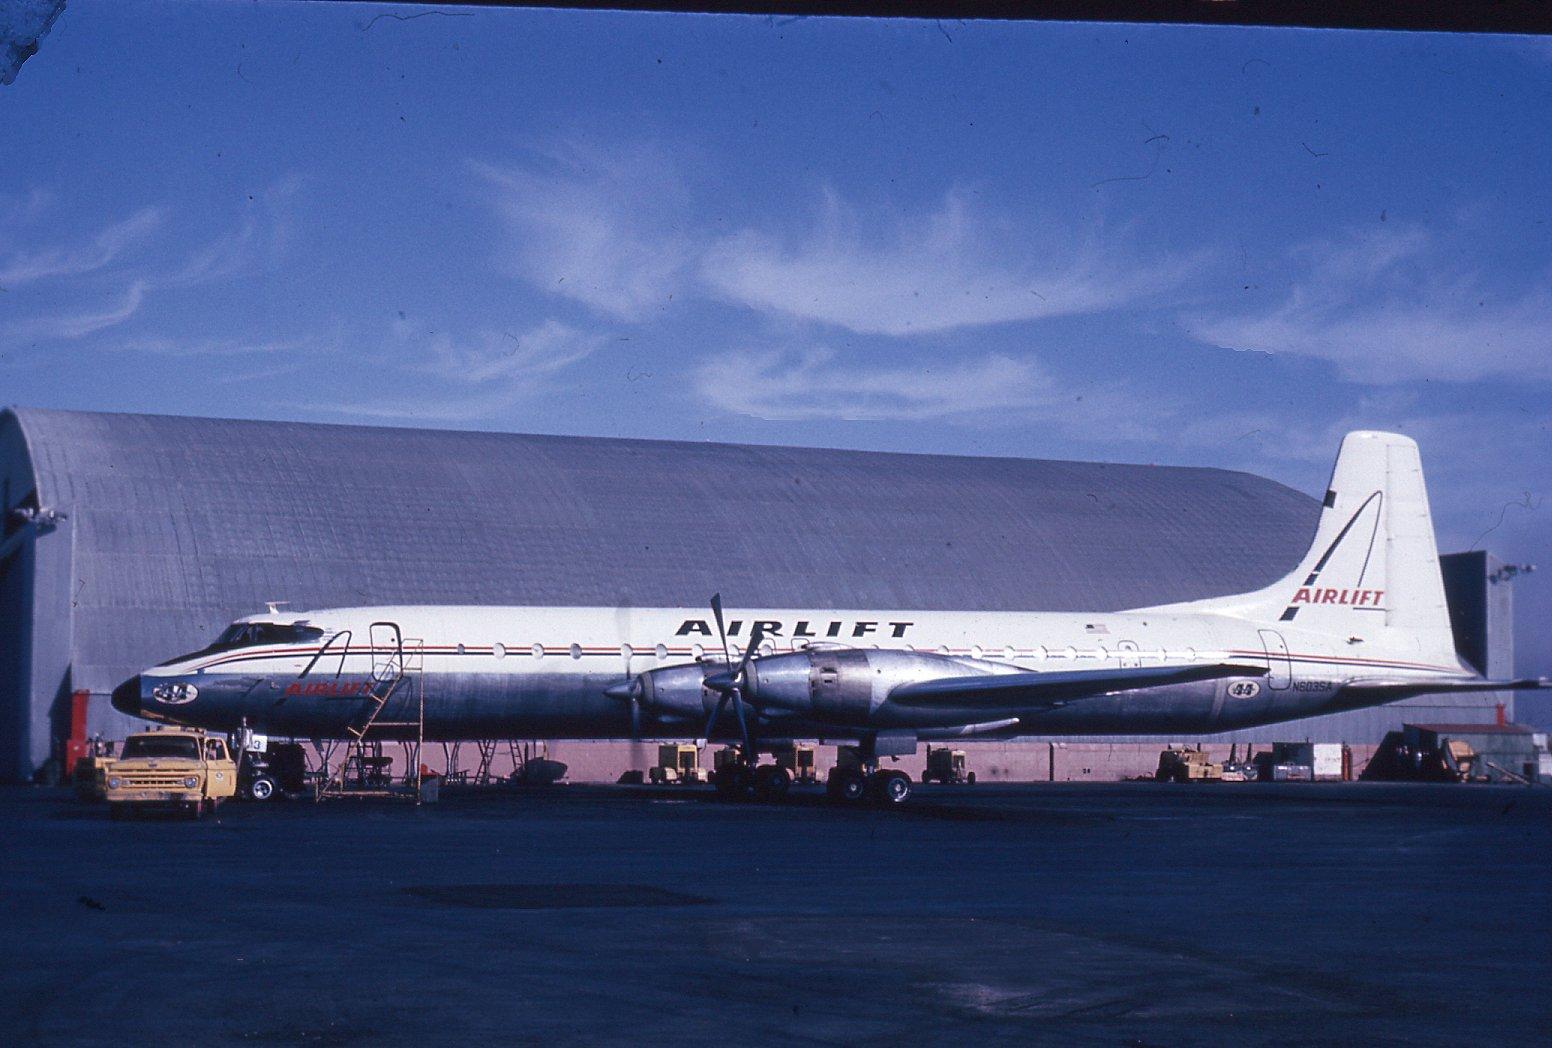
1279, 666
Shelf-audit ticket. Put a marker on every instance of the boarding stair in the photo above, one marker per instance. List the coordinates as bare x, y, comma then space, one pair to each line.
397, 663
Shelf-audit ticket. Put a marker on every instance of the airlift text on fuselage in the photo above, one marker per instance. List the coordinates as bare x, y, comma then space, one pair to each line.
802, 628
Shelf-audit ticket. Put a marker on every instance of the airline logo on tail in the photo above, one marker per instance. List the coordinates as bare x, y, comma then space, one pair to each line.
1309, 593
1358, 598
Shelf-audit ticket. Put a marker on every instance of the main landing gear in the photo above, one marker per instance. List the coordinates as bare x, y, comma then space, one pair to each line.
848, 783
741, 780
853, 785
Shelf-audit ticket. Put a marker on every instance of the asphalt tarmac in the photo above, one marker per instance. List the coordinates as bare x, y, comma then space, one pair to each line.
1113, 914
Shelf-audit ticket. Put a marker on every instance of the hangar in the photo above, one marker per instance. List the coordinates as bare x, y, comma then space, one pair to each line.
130, 538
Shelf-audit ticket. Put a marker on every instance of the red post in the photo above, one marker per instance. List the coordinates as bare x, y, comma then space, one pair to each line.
1498, 715
75, 737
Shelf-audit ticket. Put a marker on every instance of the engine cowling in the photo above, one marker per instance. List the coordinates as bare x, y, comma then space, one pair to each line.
848, 685
677, 691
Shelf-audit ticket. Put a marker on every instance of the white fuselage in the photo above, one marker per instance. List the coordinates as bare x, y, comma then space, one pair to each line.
492, 671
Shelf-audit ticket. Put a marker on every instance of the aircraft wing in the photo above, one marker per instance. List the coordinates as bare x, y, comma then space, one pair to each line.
1026, 690
1388, 690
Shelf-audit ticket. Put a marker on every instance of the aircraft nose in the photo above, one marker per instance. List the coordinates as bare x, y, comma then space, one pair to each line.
126, 697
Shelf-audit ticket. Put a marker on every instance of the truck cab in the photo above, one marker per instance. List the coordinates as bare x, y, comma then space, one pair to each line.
179, 768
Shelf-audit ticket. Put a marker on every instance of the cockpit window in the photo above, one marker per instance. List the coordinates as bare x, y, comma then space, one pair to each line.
163, 746
249, 634
253, 634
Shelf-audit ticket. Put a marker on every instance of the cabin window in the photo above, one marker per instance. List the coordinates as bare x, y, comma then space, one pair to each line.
626, 651
699, 651
661, 651
537, 650
499, 650
576, 651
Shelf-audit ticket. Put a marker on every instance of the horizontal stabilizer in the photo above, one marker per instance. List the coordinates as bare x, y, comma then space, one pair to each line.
1390, 690
1026, 690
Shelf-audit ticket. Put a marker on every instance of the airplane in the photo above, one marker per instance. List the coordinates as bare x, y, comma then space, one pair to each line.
1361, 621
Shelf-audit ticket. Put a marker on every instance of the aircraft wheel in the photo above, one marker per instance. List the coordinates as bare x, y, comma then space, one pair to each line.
847, 784
891, 788
771, 782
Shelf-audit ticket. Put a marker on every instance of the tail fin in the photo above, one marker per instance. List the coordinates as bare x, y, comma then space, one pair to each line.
1373, 562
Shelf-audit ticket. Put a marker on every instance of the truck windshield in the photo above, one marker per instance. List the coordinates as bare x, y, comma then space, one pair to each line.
161, 746
253, 634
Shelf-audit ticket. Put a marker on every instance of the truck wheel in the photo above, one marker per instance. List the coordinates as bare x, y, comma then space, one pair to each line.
970, 778
261, 789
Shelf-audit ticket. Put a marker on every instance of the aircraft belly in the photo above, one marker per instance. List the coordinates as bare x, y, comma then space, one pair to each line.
457, 706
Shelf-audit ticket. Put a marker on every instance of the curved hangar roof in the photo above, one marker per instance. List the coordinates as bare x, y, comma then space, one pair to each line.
181, 524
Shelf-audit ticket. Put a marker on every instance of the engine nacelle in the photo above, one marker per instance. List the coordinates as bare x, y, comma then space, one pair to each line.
677, 691
847, 685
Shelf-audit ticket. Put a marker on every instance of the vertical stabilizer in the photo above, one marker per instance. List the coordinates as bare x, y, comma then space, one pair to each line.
1373, 562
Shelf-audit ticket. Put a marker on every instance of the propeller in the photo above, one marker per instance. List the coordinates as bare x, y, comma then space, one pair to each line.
629, 691
731, 685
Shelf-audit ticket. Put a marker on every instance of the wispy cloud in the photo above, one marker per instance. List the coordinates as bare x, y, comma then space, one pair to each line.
620, 233
818, 385
477, 376
521, 358
940, 270
259, 241
75, 325
597, 227
166, 346
23, 267
1385, 307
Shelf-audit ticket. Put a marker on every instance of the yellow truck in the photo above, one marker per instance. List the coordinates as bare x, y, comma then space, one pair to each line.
180, 768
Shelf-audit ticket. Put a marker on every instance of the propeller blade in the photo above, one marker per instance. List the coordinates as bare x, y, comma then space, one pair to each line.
743, 723
711, 722
754, 642
732, 685
716, 611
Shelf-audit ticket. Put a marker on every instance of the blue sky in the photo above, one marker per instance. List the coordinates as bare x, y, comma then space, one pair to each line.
1177, 245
